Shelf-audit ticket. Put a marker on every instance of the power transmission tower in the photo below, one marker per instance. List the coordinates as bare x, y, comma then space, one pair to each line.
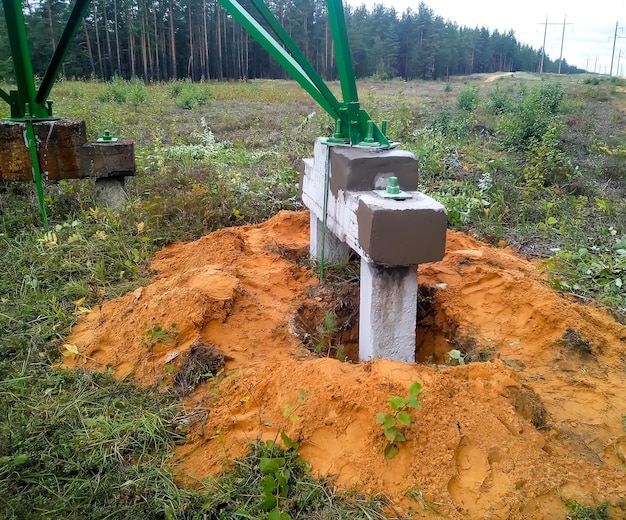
543, 49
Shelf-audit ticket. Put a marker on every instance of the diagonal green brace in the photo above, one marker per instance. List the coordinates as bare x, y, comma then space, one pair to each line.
278, 53
297, 54
342, 50
73, 23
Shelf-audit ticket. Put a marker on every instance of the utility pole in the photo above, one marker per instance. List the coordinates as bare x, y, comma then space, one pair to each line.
543, 49
562, 40
614, 42
595, 63
615, 37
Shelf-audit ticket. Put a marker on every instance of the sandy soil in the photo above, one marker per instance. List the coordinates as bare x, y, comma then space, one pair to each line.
537, 417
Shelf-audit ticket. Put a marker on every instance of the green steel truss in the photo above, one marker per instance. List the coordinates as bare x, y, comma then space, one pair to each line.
353, 125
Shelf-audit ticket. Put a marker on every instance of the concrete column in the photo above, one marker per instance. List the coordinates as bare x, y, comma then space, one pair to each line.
335, 251
388, 312
111, 192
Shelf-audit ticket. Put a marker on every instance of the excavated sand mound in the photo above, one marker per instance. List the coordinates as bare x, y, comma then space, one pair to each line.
537, 417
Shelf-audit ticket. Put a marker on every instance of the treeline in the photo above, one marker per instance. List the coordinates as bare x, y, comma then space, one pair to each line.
174, 39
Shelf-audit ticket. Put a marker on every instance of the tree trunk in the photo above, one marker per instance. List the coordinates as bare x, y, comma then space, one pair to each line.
89, 53
95, 21
117, 39
206, 41
157, 61
143, 41
148, 41
220, 71
173, 42
190, 66
131, 45
107, 38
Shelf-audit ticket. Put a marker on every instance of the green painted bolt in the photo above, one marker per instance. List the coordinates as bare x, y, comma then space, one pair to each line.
107, 136
392, 187
337, 134
370, 132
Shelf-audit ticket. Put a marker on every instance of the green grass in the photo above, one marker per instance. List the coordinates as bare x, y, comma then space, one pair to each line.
578, 511
77, 444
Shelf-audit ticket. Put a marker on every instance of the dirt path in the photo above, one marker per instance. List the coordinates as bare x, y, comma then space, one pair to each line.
541, 418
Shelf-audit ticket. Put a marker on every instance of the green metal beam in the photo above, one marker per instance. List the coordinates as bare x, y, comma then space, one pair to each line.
76, 16
353, 125
342, 50
22, 64
32, 148
5, 96
277, 52
295, 52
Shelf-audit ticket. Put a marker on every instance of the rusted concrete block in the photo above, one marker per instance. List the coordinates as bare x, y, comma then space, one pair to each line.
59, 140
108, 159
63, 152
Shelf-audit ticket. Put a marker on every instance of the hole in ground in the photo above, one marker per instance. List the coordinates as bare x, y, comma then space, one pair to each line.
328, 325
328, 322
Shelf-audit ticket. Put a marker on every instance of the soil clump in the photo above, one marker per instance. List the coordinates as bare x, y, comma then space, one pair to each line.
535, 413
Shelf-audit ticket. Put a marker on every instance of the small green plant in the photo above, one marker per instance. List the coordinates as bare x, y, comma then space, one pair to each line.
325, 332
275, 484
120, 91
157, 334
399, 418
498, 101
455, 357
191, 95
578, 511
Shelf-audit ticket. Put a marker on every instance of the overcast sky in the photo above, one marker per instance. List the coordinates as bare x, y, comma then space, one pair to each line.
588, 36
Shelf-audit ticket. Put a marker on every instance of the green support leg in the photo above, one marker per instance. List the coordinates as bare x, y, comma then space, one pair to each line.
32, 148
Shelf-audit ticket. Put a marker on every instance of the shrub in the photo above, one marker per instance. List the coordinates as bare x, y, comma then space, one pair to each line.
533, 114
137, 94
499, 102
114, 90
119, 90
468, 99
548, 163
191, 95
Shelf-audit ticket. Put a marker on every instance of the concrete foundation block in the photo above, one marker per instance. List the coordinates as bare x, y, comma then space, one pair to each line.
59, 140
335, 251
391, 236
388, 312
358, 169
63, 152
401, 232
111, 192
108, 159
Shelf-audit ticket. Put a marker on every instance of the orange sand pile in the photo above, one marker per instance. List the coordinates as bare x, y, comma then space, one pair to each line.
499, 439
